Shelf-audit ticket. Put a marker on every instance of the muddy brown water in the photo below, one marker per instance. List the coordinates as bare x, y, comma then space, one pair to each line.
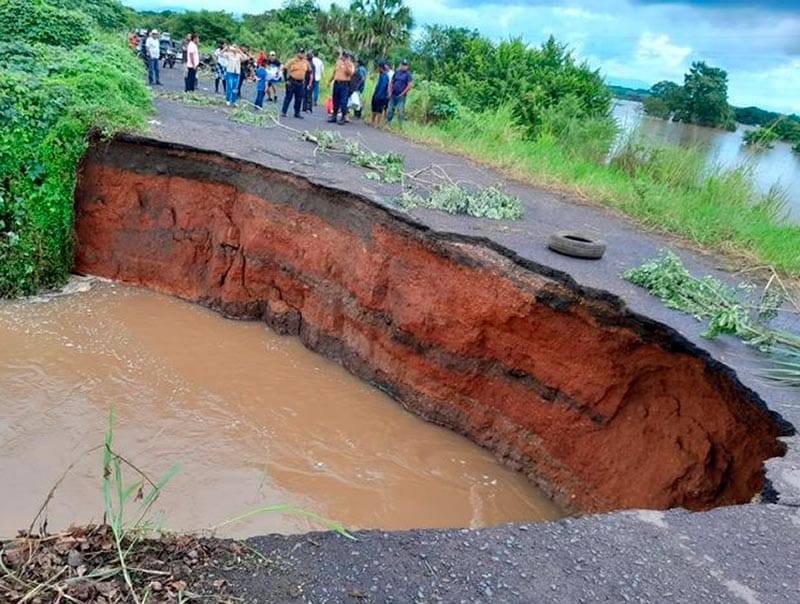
253, 418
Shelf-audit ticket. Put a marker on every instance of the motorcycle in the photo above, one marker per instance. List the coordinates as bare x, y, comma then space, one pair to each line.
169, 57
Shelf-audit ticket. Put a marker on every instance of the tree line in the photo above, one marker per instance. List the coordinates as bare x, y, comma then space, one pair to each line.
703, 100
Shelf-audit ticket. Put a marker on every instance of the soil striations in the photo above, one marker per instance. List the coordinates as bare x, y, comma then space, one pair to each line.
602, 408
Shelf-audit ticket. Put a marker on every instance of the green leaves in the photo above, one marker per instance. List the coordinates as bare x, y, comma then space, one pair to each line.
744, 312
489, 202
49, 101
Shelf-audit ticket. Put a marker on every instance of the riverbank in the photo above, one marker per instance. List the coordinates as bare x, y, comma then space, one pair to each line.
664, 188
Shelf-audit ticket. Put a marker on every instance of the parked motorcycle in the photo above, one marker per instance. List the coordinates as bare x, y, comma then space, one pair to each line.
169, 57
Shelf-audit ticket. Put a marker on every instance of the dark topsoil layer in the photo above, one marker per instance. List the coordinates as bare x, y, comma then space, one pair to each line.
735, 554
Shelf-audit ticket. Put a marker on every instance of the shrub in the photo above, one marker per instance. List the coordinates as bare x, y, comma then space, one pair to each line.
585, 136
49, 101
432, 102
107, 14
37, 21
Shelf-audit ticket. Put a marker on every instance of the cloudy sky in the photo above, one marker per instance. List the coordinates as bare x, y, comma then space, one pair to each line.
632, 42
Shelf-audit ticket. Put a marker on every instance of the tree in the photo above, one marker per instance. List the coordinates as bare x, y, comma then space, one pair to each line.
370, 28
665, 99
209, 25
705, 97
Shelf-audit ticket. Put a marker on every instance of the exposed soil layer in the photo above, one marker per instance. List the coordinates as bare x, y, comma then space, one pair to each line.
600, 407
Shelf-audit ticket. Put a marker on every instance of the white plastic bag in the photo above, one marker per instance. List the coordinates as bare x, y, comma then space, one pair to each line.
354, 102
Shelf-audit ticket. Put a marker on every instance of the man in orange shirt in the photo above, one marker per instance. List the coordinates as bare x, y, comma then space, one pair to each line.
295, 69
342, 72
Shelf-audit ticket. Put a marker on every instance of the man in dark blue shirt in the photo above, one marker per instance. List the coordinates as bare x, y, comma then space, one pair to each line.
400, 84
380, 97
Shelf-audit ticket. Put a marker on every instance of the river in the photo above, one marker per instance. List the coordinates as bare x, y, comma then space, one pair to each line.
253, 418
779, 165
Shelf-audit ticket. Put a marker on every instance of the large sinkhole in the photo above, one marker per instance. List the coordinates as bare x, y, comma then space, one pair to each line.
599, 407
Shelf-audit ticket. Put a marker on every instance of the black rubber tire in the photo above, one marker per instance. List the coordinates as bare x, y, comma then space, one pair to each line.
577, 245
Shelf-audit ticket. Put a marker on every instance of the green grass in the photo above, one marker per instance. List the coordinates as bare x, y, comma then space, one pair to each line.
665, 188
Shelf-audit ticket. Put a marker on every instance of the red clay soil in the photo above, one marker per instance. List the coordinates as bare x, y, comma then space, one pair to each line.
601, 408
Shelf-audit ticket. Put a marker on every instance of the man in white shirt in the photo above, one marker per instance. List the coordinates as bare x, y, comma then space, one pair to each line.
153, 49
319, 68
192, 61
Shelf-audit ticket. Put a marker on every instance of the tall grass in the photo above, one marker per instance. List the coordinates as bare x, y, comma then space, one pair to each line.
669, 188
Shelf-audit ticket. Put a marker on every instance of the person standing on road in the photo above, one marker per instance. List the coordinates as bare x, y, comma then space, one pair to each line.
220, 65
308, 85
153, 51
192, 61
319, 70
400, 84
380, 97
342, 72
296, 70
233, 59
261, 85
273, 76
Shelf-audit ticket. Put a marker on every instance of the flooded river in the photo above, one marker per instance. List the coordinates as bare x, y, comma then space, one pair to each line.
779, 165
253, 419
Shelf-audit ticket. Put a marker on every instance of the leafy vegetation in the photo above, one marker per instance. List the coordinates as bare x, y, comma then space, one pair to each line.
488, 202
49, 102
744, 312
761, 137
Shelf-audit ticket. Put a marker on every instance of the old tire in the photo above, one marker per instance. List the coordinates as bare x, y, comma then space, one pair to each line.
577, 245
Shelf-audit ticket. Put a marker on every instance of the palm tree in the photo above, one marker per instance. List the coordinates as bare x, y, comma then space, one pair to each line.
371, 28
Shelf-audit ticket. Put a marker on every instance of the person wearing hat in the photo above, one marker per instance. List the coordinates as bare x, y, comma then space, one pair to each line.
295, 70
273, 75
380, 97
342, 72
400, 84
153, 50
233, 70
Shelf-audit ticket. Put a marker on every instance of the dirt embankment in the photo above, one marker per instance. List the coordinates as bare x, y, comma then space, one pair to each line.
601, 408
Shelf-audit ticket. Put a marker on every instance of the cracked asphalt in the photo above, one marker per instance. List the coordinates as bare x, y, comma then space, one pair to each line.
745, 553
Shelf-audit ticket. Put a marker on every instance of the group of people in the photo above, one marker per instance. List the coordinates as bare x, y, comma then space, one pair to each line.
302, 75
388, 98
150, 47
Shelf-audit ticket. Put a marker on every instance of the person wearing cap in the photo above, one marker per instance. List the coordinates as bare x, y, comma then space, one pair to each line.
273, 75
153, 50
380, 97
295, 70
342, 72
400, 84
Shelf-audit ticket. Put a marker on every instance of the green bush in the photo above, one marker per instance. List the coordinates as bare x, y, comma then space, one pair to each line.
432, 102
107, 14
37, 21
49, 102
585, 136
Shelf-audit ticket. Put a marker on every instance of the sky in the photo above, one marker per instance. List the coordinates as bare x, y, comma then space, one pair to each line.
631, 42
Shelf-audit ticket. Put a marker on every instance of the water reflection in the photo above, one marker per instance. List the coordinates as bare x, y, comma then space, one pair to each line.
779, 165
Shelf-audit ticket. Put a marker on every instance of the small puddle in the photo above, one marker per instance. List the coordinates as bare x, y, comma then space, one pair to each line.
252, 417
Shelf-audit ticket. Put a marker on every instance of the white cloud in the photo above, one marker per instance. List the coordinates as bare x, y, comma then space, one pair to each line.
778, 87
656, 49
